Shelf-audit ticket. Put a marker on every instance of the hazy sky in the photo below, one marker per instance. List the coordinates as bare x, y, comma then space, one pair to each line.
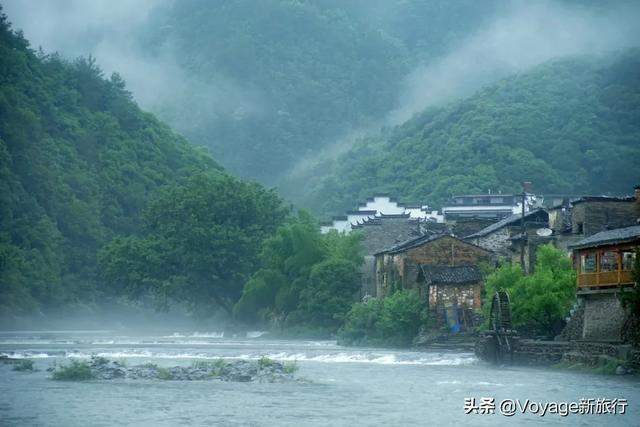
529, 33
107, 29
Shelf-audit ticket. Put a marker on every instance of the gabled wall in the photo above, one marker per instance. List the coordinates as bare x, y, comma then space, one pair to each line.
402, 267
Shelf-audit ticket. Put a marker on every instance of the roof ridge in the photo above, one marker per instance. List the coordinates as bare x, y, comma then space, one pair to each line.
503, 222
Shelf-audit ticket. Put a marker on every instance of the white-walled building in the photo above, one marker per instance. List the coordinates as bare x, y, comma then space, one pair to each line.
491, 206
376, 207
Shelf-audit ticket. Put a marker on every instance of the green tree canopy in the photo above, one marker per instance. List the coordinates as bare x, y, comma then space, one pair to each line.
393, 321
306, 278
200, 242
540, 301
570, 126
78, 163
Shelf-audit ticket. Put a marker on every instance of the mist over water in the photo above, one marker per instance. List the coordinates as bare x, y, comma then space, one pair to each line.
348, 386
72, 318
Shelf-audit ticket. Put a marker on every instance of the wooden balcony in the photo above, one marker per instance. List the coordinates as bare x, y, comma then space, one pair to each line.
604, 279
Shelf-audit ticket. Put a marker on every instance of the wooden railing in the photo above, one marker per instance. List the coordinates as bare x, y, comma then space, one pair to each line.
604, 278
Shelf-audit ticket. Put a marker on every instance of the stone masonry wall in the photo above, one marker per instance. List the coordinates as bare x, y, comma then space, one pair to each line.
460, 295
448, 251
573, 329
603, 317
498, 242
401, 268
596, 216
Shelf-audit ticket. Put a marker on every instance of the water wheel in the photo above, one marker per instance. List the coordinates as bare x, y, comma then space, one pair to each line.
500, 321
500, 316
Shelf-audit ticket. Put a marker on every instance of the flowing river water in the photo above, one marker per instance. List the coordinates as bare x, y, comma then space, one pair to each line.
345, 386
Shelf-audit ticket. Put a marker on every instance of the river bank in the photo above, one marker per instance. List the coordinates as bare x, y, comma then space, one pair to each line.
580, 355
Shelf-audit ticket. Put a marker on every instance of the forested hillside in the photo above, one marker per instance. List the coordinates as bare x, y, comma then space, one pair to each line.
78, 162
569, 126
268, 83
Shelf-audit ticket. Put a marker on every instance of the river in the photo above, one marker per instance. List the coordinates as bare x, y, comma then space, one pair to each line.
345, 386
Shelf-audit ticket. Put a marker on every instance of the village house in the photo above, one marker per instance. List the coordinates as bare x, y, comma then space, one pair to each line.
455, 294
399, 265
573, 219
560, 219
489, 206
498, 237
442, 268
593, 214
376, 207
467, 226
384, 231
383, 222
505, 237
603, 263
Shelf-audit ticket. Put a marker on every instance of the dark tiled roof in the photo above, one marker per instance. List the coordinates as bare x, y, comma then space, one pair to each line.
379, 220
619, 235
356, 212
412, 242
443, 275
425, 238
402, 215
603, 199
503, 223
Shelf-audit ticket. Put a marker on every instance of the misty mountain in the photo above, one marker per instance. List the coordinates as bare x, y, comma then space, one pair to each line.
78, 162
275, 81
272, 87
262, 84
570, 126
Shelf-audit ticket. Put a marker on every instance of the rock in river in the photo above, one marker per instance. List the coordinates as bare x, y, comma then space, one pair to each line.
262, 370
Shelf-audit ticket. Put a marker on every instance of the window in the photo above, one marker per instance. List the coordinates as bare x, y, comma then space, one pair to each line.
497, 200
628, 258
608, 261
588, 263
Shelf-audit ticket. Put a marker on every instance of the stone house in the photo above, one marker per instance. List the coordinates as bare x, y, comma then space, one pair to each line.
593, 214
603, 263
560, 225
506, 240
498, 237
377, 234
575, 219
384, 231
454, 294
466, 226
400, 265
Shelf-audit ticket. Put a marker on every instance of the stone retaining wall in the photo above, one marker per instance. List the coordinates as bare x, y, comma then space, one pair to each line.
545, 353
603, 317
